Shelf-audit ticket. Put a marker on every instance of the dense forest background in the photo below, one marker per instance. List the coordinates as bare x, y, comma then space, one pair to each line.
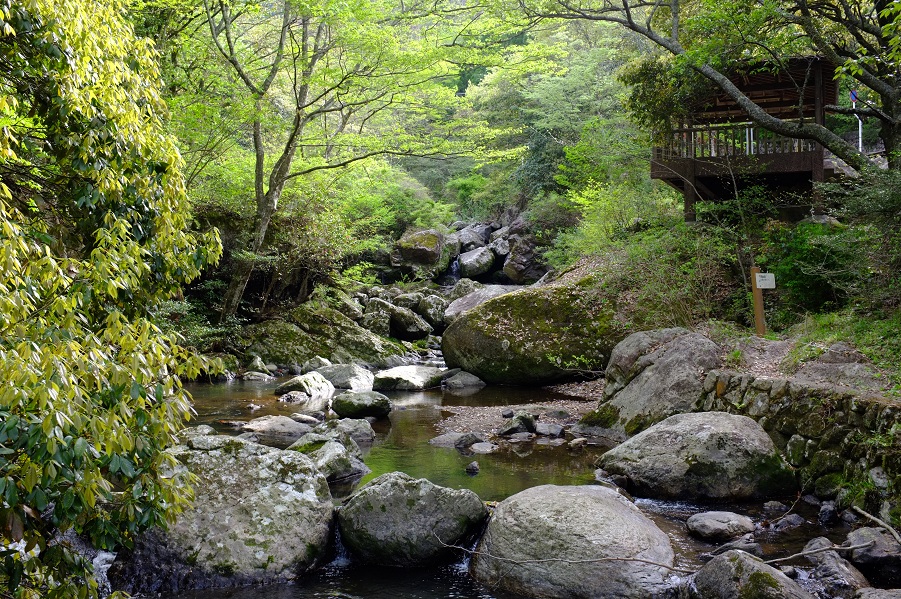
173, 169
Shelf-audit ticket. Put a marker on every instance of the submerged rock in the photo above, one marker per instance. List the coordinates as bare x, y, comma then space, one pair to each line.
708, 455
736, 574
396, 520
577, 526
259, 515
881, 561
277, 426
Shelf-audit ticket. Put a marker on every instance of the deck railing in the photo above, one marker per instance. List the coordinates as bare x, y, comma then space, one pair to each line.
720, 141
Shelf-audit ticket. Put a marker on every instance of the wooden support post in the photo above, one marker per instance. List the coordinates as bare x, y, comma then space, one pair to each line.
757, 294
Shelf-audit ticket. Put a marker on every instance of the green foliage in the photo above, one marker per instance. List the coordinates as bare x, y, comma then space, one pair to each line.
817, 266
93, 236
608, 211
877, 337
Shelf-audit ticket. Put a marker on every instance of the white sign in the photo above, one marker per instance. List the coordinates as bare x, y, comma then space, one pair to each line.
765, 280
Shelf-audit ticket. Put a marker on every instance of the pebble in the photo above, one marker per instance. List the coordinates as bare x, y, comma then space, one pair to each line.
578, 443
472, 468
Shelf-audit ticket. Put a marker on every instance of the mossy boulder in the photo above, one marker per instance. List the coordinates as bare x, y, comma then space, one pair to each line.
536, 335
424, 254
311, 330
396, 520
743, 576
707, 455
259, 515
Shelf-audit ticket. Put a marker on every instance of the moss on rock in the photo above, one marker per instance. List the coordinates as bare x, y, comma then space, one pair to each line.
536, 335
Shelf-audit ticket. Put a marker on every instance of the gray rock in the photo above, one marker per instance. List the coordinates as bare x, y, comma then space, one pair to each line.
259, 515
839, 578
277, 426
476, 262
549, 429
500, 248
878, 594
305, 419
424, 254
312, 442
253, 375
472, 468
476, 298
432, 308
579, 525
408, 378
295, 397
361, 404
257, 364
312, 383
408, 300
463, 380
655, 374
347, 429
745, 543
472, 237
314, 363
337, 463
447, 439
708, 455
377, 322
405, 324
347, 376
483, 448
396, 520
524, 264
881, 562
462, 288
719, 526
738, 575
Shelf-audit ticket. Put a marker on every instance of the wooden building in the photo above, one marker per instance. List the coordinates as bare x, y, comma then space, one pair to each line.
721, 150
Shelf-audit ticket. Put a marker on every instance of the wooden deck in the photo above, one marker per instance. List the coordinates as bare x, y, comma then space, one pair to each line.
708, 162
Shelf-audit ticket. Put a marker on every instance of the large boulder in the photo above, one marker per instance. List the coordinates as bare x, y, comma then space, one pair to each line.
577, 527
277, 426
524, 263
655, 374
880, 561
404, 323
476, 262
361, 404
311, 330
396, 520
535, 335
838, 578
259, 515
432, 308
739, 575
473, 237
337, 463
347, 376
346, 430
424, 254
707, 455
719, 526
313, 385
475, 298
408, 378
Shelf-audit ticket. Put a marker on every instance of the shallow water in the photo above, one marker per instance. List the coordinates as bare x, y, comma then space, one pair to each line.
402, 444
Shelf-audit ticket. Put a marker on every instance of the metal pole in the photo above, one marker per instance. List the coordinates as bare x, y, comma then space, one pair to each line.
757, 294
859, 129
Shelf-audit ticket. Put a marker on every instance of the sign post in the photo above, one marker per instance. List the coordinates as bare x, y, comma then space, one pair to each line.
854, 100
759, 282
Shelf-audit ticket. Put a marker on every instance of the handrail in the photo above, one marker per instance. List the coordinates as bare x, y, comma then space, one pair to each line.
720, 141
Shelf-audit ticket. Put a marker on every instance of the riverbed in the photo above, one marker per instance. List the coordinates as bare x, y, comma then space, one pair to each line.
402, 445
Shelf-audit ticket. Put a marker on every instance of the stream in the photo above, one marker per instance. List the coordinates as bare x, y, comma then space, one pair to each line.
402, 444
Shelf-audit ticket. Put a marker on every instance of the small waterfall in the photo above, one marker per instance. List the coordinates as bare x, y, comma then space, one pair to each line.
451, 275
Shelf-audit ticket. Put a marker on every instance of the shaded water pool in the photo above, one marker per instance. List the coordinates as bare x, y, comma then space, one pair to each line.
402, 444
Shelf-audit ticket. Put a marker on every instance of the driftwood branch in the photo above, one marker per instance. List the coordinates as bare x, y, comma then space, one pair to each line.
881, 523
563, 560
820, 550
